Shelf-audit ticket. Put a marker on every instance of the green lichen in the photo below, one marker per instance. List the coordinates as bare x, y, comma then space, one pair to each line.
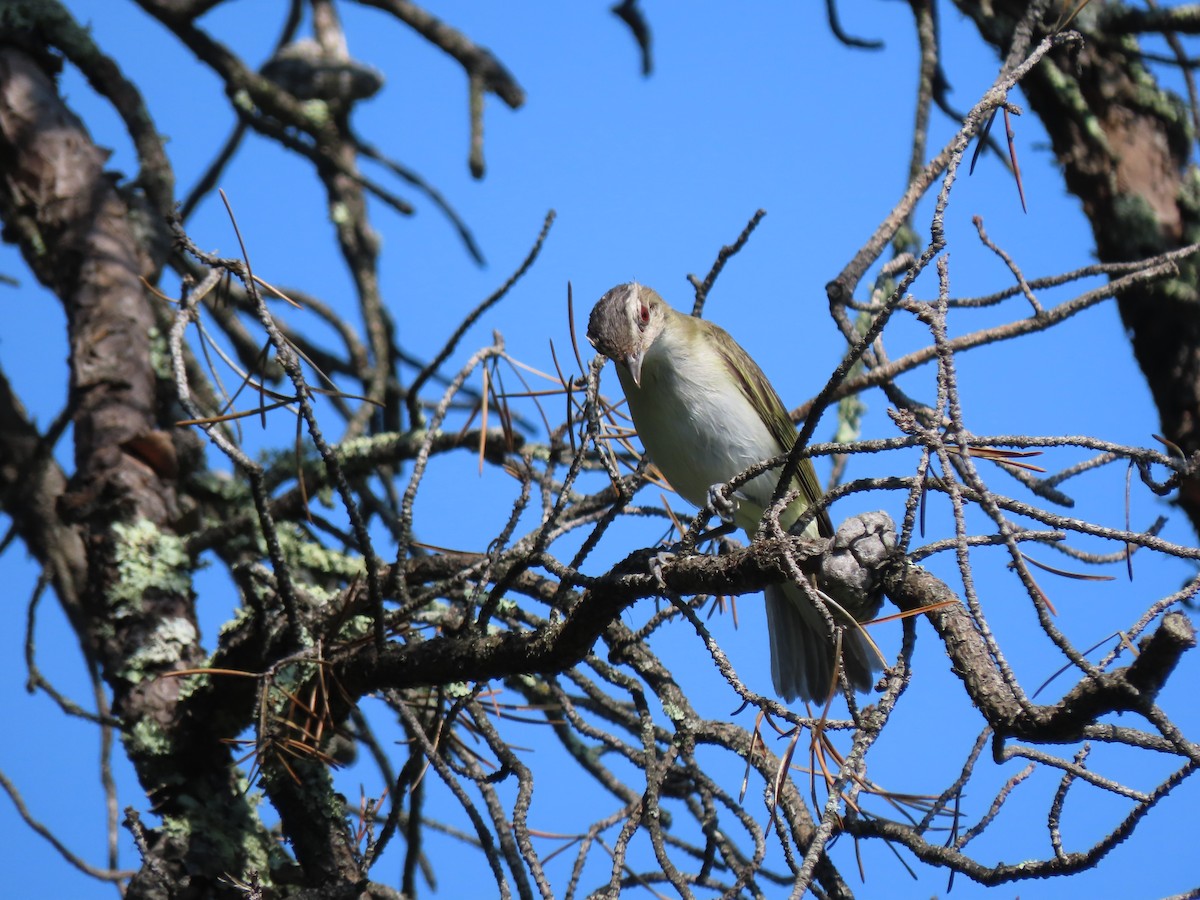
850, 410
437, 613
320, 595
169, 642
146, 739
1189, 203
1141, 229
362, 447
160, 355
1162, 104
459, 690
1151, 97
906, 240
190, 684
177, 826
286, 681
314, 557
504, 607
674, 713
850, 414
242, 100
257, 853
223, 485
241, 615
1067, 90
284, 461
1182, 290
147, 559
207, 821
356, 627
317, 112
537, 452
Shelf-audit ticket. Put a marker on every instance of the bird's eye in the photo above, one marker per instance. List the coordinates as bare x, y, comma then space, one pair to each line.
643, 315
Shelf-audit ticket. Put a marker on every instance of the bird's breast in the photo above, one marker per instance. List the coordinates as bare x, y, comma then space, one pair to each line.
698, 426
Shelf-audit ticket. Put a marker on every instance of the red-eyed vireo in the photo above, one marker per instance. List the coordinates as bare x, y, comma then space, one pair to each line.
705, 412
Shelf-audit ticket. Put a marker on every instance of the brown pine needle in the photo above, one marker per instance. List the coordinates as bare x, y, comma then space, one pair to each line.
756, 742
526, 395
781, 777
276, 291
229, 417
483, 399
1002, 456
182, 673
909, 613
532, 371
1012, 155
1063, 23
1170, 445
571, 326
1081, 576
1043, 596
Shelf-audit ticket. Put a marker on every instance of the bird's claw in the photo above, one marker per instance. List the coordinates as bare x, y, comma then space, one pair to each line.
657, 562
723, 505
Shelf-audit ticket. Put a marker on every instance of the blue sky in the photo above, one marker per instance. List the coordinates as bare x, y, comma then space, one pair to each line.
649, 177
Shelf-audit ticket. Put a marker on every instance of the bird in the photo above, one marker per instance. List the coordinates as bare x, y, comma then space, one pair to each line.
705, 412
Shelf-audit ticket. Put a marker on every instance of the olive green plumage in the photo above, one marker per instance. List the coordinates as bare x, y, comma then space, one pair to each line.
705, 412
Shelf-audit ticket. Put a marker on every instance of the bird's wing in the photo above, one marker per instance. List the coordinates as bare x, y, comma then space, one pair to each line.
757, 389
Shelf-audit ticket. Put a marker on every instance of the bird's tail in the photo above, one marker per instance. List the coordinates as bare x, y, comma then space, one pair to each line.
802, 649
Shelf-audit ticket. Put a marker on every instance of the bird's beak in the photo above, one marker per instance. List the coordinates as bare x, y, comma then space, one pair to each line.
634, 361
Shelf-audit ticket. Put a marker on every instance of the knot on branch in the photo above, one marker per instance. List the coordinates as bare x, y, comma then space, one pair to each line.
852, 569
1160, 653
837, 292
1128, 689
307, 71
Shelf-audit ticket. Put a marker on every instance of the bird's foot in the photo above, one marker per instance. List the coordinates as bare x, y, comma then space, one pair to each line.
722, 503
657, 562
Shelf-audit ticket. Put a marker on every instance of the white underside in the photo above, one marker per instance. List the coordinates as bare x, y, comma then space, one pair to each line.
698, 427
700, 430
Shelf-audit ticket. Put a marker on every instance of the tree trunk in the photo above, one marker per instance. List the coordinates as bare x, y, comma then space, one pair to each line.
1124, 143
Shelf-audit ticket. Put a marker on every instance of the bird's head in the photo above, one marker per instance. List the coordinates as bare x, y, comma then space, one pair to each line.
624, 324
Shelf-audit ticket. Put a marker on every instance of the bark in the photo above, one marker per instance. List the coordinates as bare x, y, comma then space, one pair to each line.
118, 538
1124, 142
106, 535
